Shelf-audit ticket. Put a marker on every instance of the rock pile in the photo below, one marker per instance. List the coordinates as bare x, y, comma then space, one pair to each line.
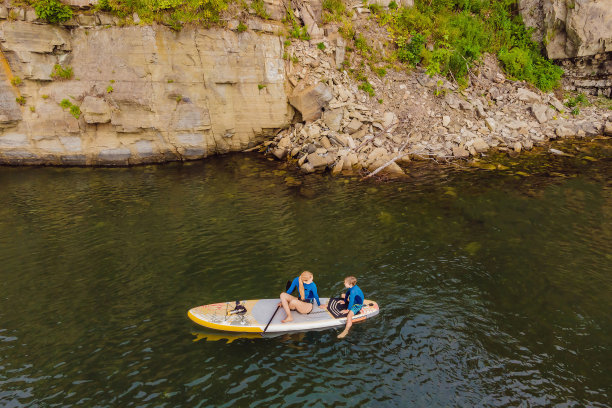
343, 129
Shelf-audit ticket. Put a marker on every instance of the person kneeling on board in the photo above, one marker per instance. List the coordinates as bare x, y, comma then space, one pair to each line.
307, 292
354, 297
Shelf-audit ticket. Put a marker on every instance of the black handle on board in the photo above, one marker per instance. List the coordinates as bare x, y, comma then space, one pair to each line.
287, 286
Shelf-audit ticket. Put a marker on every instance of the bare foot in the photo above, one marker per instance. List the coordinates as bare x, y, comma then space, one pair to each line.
287, 320
343, 334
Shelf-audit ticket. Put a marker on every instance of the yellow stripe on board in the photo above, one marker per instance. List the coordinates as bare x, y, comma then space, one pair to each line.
223, 327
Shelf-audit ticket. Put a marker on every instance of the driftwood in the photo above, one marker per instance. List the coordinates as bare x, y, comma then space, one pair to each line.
399, 156
253, 148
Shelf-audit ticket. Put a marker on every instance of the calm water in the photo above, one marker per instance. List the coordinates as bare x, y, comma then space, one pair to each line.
496, 289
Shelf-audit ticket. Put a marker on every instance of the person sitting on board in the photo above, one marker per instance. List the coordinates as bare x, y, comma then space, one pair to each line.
354, 297
307, 291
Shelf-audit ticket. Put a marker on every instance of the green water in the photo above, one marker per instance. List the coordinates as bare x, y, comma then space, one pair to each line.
495, 289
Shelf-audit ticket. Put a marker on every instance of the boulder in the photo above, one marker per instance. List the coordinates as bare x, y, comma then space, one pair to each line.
480, 145
526, 95
517, 147
539, 112
340, 53
557, 104
608, 128
317, 161
460, 152
311, 101
563, 131
353, 126
333, 119
338, 166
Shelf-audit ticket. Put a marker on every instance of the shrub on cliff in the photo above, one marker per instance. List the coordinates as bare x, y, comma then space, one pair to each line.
52, 11
172, 12
455, 33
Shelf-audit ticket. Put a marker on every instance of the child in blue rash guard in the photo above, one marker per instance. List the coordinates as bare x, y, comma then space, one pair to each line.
308, 293
354, 297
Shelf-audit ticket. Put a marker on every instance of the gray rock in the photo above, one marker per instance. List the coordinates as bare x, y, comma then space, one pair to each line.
326, 143
13, 140
480, 145
340, 52
353, 126
563, 131
74, 159
608, 128
3, 12
557, 104
114, 156
333, 119
307, 167
279, 153
311, 101
446, 120
460, 153
490, 122
539, 112
526, 95
317, 161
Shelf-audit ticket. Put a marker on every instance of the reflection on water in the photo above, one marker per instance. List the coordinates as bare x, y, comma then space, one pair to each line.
494, 287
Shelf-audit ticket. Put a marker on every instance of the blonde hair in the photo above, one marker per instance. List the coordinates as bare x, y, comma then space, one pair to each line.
304, 276
351, 280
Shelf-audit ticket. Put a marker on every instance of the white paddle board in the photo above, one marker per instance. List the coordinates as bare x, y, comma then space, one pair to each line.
252, 316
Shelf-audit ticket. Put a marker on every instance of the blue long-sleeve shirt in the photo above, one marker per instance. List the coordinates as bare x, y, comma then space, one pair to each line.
310, 290
355, 296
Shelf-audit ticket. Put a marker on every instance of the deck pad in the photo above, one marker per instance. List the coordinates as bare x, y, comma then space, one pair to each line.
228, 317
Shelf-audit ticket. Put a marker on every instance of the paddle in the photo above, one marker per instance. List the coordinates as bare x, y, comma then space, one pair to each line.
287, 286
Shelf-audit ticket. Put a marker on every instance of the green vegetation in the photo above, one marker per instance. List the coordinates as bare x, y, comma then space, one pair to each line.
179, 98
367, 87
287, 43
333, 10
20, 100
74, 109
241, 27
32, 109
448, 37
60, 72
321, 46
259, 9
296, 31
393, 5
260, 86
52, 11
109, 89
16, 81
65, 104
578, 100
174, 13
44, 96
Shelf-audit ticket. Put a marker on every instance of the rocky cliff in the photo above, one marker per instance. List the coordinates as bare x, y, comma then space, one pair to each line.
145, 93
577, 33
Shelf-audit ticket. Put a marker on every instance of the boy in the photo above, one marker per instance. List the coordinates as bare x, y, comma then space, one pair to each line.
355, 297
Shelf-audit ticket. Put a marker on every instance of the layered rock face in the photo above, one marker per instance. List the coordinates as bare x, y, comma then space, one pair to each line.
579, 33
146, 93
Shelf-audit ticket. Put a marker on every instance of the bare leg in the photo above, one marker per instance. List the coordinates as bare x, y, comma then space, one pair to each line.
286, 300
301, 307
349, 323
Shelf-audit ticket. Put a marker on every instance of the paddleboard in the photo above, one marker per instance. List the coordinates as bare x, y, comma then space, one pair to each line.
252, 316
